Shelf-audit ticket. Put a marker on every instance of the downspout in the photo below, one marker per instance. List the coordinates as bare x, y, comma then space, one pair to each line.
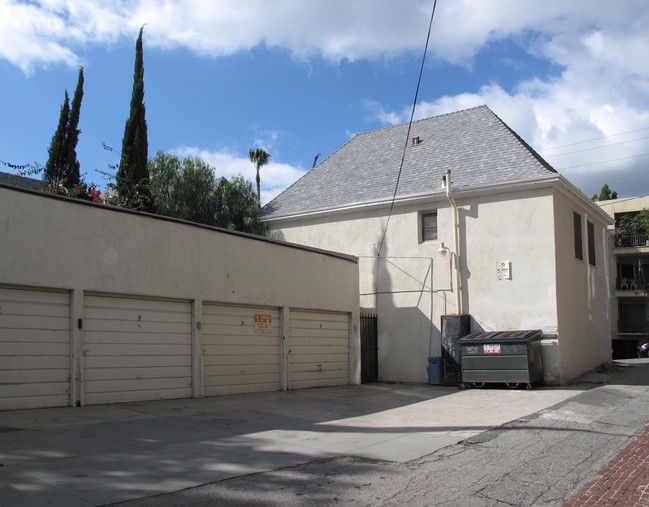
456, 243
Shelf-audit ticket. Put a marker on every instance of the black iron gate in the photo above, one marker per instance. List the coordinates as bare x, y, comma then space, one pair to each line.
369, 349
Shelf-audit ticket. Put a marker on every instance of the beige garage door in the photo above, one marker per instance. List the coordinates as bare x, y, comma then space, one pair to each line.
241, 349
34, 348
319, 349
136, 349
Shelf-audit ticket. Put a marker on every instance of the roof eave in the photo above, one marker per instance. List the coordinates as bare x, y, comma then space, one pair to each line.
458, 192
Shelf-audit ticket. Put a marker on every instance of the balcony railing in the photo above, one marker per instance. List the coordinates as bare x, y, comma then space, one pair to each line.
631, 284
626, 240
624, 326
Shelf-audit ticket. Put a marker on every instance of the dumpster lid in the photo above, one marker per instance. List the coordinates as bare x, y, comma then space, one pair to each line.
502, 336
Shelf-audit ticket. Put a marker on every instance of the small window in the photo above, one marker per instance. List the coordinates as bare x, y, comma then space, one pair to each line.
429, 226
579, 254
591, 244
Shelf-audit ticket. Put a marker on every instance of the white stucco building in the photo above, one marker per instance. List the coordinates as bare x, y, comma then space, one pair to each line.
508, 241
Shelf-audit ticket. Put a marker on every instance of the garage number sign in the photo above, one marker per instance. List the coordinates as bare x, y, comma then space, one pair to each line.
263, 324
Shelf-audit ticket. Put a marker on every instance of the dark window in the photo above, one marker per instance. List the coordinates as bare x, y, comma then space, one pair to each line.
429, 226
591, 244
578, 246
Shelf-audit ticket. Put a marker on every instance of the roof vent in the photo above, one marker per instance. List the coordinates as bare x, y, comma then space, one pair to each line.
415, 141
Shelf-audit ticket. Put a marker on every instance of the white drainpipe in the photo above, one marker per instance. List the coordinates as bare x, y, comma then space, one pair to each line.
456, 243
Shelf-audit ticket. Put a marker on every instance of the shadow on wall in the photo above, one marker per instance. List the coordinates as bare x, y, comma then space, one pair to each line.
407, 333
465, 273
275, 234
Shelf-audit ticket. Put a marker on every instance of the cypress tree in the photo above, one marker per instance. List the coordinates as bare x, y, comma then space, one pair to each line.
56, 161
71, 171
133, 174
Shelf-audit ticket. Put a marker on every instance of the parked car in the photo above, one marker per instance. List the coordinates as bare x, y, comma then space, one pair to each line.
644, 350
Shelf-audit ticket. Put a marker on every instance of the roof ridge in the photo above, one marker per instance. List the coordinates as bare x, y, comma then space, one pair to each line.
531, 150
485, 106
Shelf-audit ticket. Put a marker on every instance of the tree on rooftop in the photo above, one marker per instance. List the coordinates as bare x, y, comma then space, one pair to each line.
605, 194
132, 180
187, 189
56, 161
260, 158
71, 169
62, 168
183, 188
239, 207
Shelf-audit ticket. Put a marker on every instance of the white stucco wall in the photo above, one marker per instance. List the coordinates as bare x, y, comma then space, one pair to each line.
56, 243
514, 226
403, 304
51, 242
584, 291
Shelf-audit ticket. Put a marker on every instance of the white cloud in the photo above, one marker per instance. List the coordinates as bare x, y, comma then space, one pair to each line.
599, 46
602, 89
54, 31
275, 177
29, 36
51, 31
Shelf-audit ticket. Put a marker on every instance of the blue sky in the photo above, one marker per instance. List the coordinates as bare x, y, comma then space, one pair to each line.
299, 78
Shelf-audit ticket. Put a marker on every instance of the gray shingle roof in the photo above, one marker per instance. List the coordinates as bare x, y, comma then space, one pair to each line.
20, 181
474, 144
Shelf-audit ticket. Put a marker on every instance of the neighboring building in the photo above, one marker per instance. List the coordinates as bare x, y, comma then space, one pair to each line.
630, 264
511, 243
20, 181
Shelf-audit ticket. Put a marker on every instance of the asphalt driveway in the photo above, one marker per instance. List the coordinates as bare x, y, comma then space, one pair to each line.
102, 454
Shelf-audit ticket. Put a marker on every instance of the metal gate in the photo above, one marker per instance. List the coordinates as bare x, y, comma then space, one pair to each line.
369, 349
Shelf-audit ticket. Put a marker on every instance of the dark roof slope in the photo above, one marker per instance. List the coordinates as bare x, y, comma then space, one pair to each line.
20, 181
474, 144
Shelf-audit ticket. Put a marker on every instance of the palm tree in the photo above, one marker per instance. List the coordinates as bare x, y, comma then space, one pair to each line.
260, 158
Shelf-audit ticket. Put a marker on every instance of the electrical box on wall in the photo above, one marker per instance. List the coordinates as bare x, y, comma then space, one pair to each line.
504, 270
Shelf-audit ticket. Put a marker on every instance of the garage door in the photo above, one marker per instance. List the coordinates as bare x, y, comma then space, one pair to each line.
241, 349
34, 348
136, 349
319, 344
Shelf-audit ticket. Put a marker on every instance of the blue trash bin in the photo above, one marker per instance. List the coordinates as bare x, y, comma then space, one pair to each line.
434, 370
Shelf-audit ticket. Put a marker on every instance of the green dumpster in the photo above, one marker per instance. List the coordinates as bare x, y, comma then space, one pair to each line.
505, 357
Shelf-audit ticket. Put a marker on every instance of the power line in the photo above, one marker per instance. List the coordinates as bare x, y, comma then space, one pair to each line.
595, 147
604, 162
595, 139
403, 156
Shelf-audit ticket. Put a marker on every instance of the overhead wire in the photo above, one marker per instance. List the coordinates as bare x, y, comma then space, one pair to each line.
605, 161
596, 147
403, 156
594, 139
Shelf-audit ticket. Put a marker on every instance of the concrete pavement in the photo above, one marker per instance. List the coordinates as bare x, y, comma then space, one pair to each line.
103, 454
561, 453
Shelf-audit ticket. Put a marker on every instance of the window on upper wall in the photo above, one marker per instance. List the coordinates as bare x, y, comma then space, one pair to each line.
591, 243
578, 240
428, 226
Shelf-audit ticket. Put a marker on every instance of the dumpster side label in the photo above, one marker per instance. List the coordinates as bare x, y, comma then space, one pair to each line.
491, 349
